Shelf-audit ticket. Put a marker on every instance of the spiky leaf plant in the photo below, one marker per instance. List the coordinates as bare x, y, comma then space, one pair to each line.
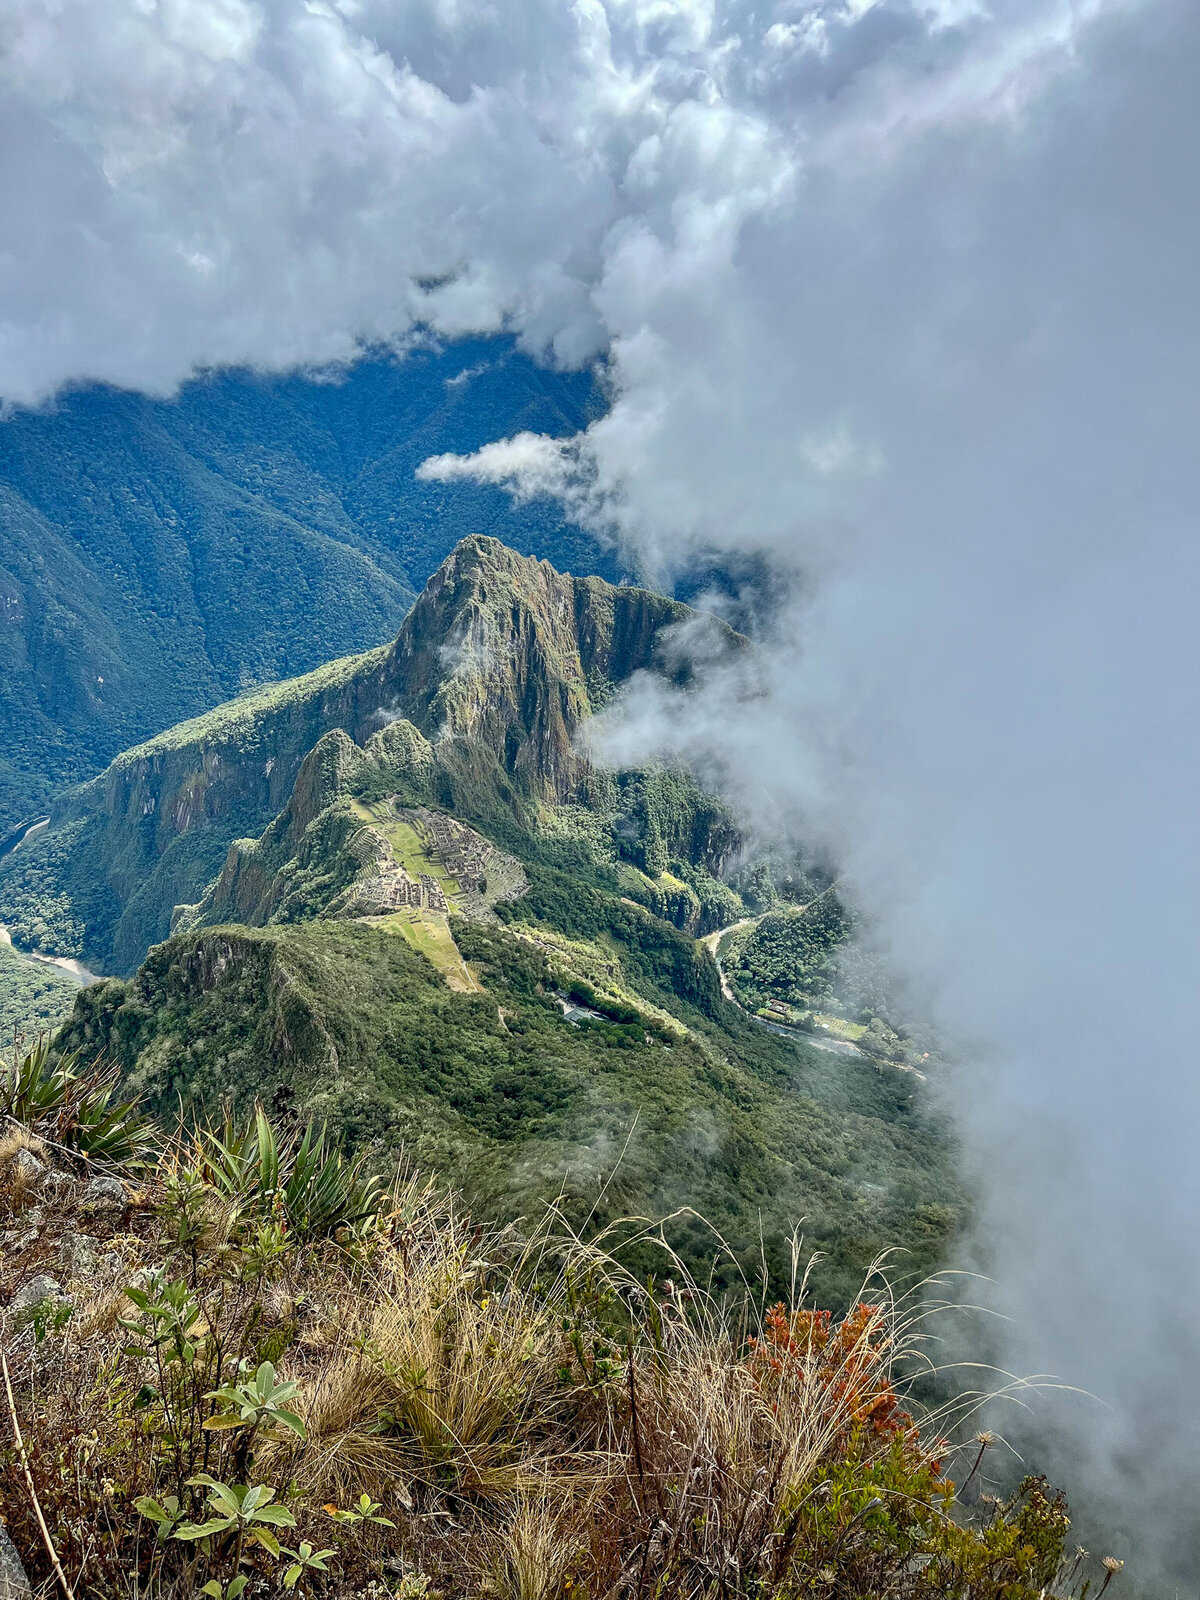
74, 1107
318, 1189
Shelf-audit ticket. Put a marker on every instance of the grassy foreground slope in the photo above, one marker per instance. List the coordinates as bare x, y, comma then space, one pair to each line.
257, 1370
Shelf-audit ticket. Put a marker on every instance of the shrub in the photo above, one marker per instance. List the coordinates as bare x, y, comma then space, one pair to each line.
444, 1409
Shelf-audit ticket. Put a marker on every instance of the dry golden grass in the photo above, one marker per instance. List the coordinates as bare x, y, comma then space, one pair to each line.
528, 1421
450, 1343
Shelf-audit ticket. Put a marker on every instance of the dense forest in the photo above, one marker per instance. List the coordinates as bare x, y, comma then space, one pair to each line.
35, 997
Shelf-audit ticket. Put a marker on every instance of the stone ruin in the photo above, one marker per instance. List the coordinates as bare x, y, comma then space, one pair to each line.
392, 889
484, 874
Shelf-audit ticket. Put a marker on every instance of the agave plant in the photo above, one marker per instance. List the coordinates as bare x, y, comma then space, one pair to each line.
74, 1107
318, 1190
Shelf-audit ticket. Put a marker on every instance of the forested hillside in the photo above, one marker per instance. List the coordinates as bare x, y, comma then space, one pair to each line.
456, 937
158, 556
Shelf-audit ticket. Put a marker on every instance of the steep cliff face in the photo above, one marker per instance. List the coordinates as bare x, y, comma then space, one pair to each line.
318, 844
153, 829
508, 654
495, 668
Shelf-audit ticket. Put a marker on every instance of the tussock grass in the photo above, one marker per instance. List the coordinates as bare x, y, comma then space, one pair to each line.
443, 1409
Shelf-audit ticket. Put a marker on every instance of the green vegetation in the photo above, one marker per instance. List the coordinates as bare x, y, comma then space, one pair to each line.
491, 739
498, 1092
34, 996
73, 1107
789, 955
809, 961
157, 557
252, 719
429, 933
268, 1375
39, 908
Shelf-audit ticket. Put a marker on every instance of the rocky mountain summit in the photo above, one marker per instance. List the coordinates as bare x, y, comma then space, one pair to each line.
493, 673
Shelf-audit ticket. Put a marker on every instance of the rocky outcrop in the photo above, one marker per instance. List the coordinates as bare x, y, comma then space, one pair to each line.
493, 672
14, 1582
506, 653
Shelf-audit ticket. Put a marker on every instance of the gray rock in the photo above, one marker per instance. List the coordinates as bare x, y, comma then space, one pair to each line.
79, 1253
14, 1583
34, 1292
26, 1232
18, 1239
57, 1186
28, 1169
104, 1196
32, 1217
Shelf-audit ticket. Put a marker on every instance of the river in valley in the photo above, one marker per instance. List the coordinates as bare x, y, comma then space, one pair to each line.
74, 969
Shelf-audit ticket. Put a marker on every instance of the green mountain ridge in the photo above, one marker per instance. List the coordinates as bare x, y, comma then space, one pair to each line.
502, 1095
497, 663
157, 556
405, 899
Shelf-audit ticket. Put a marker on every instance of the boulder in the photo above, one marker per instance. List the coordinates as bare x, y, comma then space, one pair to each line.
79, 1254
14, 1584
29, 1227
36, 1291
104, 1196
57, 1187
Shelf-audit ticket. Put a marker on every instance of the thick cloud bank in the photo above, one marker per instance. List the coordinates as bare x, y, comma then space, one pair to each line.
899, 296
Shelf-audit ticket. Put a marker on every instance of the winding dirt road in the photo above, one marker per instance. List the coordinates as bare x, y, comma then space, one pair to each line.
712, 941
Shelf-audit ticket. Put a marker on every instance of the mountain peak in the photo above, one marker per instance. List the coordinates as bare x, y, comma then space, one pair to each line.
503, 650
496, 667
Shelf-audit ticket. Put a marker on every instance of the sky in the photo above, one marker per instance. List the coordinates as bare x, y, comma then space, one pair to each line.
895, 299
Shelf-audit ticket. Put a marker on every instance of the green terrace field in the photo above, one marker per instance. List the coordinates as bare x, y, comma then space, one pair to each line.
407, 845
429, 933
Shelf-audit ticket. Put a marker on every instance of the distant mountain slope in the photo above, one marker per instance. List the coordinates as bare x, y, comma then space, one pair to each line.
35, 997
496, 667
159, 556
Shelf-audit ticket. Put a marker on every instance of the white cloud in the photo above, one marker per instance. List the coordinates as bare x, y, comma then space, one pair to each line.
528, 464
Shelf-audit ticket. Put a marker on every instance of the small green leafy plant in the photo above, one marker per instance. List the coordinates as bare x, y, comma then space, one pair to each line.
364, 1510
225, 1591
257, 1404
166, 1513
167, 1325
247, 1512
305, 1559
